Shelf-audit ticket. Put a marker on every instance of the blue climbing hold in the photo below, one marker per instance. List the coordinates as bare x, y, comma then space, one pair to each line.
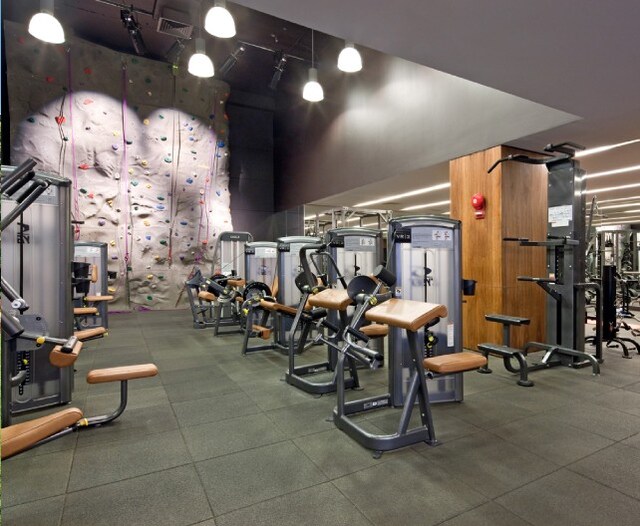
221, 143
189, 180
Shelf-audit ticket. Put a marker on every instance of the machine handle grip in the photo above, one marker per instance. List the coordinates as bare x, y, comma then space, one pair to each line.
304, 262
68, 346
384, 275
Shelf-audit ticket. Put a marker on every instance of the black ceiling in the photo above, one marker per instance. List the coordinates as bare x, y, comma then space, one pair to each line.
100, 22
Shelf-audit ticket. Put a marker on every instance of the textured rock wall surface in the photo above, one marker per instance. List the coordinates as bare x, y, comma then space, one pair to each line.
145, 147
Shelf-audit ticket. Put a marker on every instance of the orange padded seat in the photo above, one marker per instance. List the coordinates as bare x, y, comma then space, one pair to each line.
457, 362
406, 314
19, 437
334, 299
375, 330
93, 299
90, 333
118, 374
84, 311
207, 296
263, 332
236, 282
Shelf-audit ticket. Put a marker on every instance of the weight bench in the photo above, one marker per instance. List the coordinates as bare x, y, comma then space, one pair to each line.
21, 437
505, 351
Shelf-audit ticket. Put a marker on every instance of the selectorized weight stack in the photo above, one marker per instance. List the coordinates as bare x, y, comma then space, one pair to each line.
228, 254
425, 255
260, 258
288, 269
37, 249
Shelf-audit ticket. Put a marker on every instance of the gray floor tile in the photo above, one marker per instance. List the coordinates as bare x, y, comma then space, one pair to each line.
275, 394
242, 479
45, 512
488, 463
415, 492
314, 506
214, 409
617, 466
303, 419
25, 479
97, 404
208, 372
336, 454
551, 438
564, 498
173, 498
620, 400
145, 421
104, 463
490, 514
601, 420
203, 388
221, 438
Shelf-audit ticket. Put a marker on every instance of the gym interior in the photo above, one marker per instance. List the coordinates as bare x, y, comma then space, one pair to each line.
325, 263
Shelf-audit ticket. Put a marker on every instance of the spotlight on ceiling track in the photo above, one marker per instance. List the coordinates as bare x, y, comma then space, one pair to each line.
200, 64
280, 64
219, 21
133, 27
45, 26
349, 59
175, 52
231, 61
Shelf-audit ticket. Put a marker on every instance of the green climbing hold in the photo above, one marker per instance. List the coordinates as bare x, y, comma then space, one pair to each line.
149, 298
31, 119
134, 60
83, 191
147, 80
163, 138
163, 242
160, 198
160, 276
161, 116
185, 90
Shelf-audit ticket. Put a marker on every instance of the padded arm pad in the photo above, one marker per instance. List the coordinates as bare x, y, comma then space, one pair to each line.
375, 330
507, 320
207, 296
118, 374
457, 362
93, 299
90, 333
406, 314
236, 282
57, 358
334, 299
84, 311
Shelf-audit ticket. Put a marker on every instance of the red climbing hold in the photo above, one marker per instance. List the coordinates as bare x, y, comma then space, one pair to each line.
59, 119
20, 40
49, 79
87, 101
87, 71
84, 166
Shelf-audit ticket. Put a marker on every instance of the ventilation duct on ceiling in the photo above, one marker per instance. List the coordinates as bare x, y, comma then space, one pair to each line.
175, 23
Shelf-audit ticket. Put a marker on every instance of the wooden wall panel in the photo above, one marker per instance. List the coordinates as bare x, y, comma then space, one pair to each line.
516, 207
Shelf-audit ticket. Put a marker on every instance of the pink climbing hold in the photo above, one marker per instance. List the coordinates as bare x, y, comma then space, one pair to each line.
84, 166
86, 102
59, 119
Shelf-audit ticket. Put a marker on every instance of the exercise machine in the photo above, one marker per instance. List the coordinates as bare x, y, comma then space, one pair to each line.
564, 282
37, 249
410, 316
424, 254
97, 297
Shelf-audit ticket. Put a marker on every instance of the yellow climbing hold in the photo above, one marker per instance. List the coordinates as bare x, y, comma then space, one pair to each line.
147, 222
148, 186
131, 171
145, 122
144, 162
149, 276
110, 202
116, 133
112, 243
111, 290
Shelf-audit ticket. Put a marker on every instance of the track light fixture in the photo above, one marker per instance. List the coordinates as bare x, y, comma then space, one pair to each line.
131, 25
219, 21
231, 60
45, 26
312, 91
349, 59
200, 64
280, 64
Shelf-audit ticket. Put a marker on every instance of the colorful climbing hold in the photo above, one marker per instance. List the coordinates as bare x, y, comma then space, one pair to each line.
149, 298
161, 116
147, 237
149, 276
129, 141
160, 207
145, 122
50, 79
189, 180
83, 166
86, 102
131, 171
112, 243
31, 119
144, 163
221, 143
147, 222
160, 198
87, 71
167, 159
115, 147
83, 190
148, 186
116, 133
134, 183
184, 223
163, 138
59, 119
101, 222
163, 242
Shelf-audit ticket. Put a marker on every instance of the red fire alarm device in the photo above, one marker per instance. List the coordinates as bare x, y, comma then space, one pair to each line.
479, 204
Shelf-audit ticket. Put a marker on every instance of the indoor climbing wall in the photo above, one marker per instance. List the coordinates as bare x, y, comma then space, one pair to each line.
144, 145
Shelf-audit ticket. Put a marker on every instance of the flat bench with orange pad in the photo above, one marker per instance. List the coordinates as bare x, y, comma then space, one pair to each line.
458, 362
121, 374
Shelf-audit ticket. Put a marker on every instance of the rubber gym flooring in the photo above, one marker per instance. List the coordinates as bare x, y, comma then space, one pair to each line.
219, 439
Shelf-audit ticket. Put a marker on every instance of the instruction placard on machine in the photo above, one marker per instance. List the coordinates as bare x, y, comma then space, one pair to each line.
431, 237
560, 215
359, 244
266, 252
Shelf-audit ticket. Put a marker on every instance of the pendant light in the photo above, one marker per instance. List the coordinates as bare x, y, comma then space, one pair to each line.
200, 64
312, 89
45, 26
219, 21
349, 59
